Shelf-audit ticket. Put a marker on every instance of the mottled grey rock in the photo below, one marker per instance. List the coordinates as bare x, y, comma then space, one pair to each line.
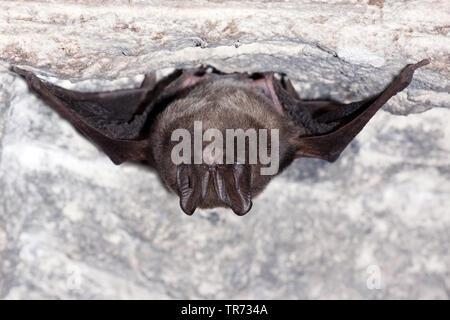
73, 225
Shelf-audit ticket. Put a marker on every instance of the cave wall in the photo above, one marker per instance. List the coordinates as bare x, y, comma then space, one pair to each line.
74, 225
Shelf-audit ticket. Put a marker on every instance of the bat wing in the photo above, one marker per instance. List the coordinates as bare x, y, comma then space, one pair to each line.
331, 126
115, 121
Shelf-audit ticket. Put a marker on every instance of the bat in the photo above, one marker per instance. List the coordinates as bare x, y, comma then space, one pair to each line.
146, 124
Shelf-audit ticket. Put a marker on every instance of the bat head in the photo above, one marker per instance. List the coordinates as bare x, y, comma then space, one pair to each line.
221, 149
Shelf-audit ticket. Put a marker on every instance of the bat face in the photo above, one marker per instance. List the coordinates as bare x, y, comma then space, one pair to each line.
216, 139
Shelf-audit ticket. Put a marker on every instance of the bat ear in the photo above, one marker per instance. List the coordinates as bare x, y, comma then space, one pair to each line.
192, 184
234, 187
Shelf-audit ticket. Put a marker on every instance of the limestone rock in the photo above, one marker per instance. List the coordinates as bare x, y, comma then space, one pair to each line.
73, 225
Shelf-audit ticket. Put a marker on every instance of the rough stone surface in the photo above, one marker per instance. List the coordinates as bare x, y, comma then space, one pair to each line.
73, 225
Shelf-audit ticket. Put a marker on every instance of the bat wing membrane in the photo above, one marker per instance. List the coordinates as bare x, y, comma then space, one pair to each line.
113, 120
332, 126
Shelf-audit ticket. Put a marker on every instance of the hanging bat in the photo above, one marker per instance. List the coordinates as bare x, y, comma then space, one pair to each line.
138, 125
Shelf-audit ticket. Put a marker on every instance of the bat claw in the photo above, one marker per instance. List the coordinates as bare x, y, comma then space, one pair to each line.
421, 63
149, 81
407, 73
20, 71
